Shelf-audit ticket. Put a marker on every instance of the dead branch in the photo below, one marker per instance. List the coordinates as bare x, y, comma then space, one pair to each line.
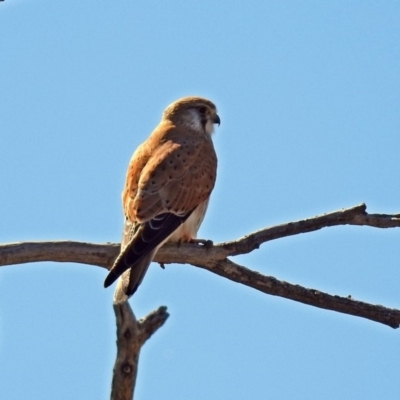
131, 335
356, 215
215, 259
312, 297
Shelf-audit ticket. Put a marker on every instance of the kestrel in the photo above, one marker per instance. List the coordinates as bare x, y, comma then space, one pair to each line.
167, 187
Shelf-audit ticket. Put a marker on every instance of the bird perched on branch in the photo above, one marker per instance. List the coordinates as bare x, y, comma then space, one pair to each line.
167, 188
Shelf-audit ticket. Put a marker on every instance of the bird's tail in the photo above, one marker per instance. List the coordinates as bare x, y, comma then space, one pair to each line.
132, 278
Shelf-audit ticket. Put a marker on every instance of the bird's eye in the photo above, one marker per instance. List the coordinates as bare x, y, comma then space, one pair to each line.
202, 110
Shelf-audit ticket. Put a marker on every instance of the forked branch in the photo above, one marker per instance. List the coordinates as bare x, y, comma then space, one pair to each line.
215, 259
131, 335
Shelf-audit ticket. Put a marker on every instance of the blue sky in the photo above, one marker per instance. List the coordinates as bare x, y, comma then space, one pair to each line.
308, 94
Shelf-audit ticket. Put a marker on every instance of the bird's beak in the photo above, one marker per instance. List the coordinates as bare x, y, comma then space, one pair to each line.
217, 120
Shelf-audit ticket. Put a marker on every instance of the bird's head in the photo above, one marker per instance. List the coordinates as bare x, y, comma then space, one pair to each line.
194, 113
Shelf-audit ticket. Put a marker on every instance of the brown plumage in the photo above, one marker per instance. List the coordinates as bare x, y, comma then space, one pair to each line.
168, 183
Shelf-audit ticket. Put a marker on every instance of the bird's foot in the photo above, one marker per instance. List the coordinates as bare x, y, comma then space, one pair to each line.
205, 242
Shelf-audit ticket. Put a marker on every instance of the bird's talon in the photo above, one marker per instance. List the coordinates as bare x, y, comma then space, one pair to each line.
205, 242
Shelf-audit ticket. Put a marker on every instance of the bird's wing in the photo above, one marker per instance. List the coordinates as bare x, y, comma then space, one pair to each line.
179, 175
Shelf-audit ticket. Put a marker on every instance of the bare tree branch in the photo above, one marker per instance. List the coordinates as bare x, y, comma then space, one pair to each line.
101, 255
131, 335
215, 259
312, 297
149, 324
356, 215
128, 348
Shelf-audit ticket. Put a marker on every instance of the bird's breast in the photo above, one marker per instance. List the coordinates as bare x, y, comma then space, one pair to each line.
188, 230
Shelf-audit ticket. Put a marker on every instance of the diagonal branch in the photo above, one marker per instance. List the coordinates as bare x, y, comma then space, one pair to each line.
312, 297
356, 215
215, 259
